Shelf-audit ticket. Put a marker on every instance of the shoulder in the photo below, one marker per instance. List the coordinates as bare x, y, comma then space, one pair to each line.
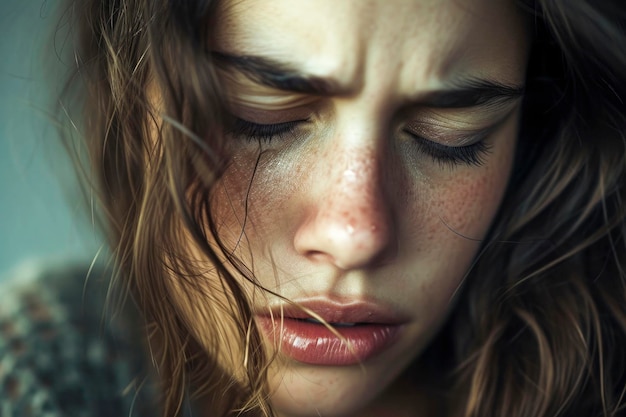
60, 354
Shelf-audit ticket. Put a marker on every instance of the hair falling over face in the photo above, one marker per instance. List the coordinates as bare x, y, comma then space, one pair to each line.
539, 327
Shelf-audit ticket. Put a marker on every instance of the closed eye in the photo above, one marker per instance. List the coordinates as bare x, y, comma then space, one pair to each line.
451, 156
264, 132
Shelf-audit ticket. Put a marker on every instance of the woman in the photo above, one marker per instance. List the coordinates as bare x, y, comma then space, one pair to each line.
365, 208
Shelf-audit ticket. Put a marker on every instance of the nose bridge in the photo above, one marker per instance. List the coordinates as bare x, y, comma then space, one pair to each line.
355, 195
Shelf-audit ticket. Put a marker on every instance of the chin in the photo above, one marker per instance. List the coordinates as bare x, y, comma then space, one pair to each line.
300, 390
337, 402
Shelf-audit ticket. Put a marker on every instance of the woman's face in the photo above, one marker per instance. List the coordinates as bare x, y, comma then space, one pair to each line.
373, 143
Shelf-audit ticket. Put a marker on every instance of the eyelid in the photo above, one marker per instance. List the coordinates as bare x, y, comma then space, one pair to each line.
264, 116
456, 131
270, 102
448, 136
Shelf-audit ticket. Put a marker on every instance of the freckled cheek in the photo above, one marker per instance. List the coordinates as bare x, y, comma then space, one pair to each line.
468, 205
257, 199
446, 235
457, 217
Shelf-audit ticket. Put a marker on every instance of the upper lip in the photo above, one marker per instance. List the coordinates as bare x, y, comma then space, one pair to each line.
336, 311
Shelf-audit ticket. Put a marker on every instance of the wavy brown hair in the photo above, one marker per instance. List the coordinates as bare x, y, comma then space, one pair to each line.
540, 329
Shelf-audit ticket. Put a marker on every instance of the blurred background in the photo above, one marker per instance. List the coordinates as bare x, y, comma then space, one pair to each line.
42, 219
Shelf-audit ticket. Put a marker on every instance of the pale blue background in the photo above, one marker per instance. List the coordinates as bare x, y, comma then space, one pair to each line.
40, 215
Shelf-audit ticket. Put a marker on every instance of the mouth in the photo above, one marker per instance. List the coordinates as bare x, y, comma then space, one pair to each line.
358, 331
338, 324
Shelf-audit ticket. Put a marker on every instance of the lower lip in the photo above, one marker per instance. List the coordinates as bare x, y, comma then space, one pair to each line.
314, 344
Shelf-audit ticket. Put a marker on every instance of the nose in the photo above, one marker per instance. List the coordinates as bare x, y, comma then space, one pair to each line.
350, 223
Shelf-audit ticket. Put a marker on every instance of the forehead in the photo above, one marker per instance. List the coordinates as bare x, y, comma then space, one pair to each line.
412, 41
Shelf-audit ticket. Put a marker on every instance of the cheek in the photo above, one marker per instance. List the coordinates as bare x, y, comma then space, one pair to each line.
461, 208
467, 206
252, 207
236, 202
452, 220
256, 193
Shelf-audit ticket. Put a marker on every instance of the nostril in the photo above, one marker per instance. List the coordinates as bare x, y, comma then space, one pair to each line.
320, 256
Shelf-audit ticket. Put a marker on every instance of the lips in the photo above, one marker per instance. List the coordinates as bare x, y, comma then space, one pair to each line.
362, 330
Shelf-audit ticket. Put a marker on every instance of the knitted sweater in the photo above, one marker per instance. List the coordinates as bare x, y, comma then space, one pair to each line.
60, 355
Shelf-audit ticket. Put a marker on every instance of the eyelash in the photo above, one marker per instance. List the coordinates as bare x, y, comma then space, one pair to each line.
452, 156
472, 155
264, 132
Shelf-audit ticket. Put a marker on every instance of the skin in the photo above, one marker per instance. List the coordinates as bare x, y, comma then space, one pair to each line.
347, 206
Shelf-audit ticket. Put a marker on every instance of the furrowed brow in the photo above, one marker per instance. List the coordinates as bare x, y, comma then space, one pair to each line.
470, 92
277, 75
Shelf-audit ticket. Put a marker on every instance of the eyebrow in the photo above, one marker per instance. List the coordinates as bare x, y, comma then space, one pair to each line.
473, 92
463, 92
